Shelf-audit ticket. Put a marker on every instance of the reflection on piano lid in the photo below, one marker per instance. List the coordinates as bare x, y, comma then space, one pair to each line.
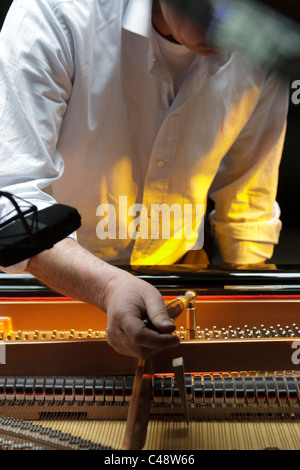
205, 280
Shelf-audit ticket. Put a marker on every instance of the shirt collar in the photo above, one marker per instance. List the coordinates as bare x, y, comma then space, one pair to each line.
138, 17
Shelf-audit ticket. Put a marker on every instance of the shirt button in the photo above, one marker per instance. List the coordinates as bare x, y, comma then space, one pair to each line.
160, 163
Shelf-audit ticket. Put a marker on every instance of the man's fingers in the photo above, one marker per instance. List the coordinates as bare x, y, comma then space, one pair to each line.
159, 316
127, 333
153, 339
141, 335
121, 344
142, 345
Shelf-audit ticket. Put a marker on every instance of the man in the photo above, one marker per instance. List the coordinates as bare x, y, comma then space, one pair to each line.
119, 107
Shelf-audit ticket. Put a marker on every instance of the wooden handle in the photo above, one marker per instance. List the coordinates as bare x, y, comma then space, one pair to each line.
141, 398
139, 409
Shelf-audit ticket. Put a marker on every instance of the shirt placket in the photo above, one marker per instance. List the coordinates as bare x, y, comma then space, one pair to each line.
156, 185
157, 181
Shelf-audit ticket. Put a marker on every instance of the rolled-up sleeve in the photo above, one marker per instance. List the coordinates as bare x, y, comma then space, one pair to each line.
35, 85
246, 220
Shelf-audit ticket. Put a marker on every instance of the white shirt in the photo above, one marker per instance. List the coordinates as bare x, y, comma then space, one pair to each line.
89, 114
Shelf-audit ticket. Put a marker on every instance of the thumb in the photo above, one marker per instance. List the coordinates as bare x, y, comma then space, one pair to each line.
158, 315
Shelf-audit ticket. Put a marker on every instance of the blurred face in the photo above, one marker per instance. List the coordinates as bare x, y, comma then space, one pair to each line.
179, 28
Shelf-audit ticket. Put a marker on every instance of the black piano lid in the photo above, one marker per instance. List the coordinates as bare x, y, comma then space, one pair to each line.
217, 280
176, 279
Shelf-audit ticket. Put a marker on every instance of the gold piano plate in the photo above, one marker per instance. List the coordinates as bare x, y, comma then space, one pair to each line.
230, 335
56, 348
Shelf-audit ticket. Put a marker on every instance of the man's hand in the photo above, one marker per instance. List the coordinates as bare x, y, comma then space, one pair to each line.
73, 271
127, 300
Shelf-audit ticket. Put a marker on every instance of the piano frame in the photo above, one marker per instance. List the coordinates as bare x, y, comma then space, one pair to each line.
226, 300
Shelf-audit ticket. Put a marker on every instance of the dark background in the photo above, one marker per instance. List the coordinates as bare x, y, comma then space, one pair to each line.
5, 4
288, 250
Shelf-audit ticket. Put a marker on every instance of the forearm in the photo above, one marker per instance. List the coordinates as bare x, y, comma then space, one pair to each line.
73, 271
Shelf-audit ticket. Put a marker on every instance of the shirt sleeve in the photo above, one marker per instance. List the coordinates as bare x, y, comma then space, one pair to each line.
246, 219
36, 68
35, 84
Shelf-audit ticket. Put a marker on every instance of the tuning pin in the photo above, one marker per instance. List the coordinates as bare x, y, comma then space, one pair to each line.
182, 333
36, 334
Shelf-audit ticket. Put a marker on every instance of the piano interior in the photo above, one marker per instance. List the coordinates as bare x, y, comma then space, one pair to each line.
63, 387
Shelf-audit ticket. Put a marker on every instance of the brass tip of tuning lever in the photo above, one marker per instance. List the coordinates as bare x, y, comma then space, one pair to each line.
191, 296
190, 318
175, 307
